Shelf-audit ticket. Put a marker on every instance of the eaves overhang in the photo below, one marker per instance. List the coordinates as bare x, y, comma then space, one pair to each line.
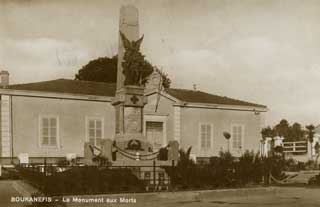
222, 107
53, 95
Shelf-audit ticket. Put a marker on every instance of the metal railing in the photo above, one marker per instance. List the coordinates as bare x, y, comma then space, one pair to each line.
153, 177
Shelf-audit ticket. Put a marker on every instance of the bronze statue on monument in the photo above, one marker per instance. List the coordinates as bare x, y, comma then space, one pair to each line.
133, 62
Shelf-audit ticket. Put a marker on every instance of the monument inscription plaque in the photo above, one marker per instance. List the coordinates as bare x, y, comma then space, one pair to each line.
132, 119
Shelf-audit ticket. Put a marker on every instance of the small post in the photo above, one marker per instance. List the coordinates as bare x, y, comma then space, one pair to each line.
45, 166
154, 175
45, 175
140, 176
172, 175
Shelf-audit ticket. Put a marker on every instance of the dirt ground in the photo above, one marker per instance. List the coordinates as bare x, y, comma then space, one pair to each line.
282, 197
276, 201
277, 197
7, 190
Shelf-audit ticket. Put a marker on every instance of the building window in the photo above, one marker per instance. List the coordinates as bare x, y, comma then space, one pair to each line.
237, 137
49, 131
205, 135
95, 131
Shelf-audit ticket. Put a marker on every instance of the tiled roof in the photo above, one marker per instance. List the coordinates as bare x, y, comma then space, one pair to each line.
194, 96
108, 89
69, 86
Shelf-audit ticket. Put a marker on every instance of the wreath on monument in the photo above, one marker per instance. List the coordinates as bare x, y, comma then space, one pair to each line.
134, 144
134, 66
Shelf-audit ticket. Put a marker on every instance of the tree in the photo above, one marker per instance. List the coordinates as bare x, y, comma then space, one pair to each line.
166, 82
278, 150
310, 134
104, 69
296, 132
317, 150
282, 129
267, 132
289, 133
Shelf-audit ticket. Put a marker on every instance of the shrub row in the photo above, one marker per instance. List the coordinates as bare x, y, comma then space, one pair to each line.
225, 171
84, 180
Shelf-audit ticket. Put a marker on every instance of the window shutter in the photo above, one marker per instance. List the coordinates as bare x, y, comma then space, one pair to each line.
205, 135
237, 136
95, 131
49, 131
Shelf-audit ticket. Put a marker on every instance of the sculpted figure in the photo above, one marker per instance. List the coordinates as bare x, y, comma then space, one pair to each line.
134, 65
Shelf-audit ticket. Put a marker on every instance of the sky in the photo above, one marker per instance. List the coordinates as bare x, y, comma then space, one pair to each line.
262, 51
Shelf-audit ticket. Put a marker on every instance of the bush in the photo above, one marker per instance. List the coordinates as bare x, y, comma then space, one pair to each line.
222, 170
293, 165
9, 174
85, 180
250, 168
185, 171
273, 165
310, 165
225, 170
314, 180
101, 161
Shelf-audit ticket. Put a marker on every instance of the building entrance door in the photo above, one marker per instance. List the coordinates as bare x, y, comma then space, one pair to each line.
154, 132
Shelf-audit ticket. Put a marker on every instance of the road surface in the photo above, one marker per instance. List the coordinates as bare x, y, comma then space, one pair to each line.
284, 197
8, 190
277, 197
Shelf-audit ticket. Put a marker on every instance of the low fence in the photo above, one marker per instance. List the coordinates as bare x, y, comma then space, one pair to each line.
295, 147
98, 179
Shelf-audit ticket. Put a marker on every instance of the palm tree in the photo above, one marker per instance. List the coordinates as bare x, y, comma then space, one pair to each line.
310, 134
185, 168
184, 155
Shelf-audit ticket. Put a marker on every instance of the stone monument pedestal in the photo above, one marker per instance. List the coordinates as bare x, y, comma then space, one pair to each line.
129, 103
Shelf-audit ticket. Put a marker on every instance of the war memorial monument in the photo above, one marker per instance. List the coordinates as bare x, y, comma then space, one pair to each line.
130, 146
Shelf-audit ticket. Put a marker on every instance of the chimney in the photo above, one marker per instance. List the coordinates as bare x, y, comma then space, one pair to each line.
4, 79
